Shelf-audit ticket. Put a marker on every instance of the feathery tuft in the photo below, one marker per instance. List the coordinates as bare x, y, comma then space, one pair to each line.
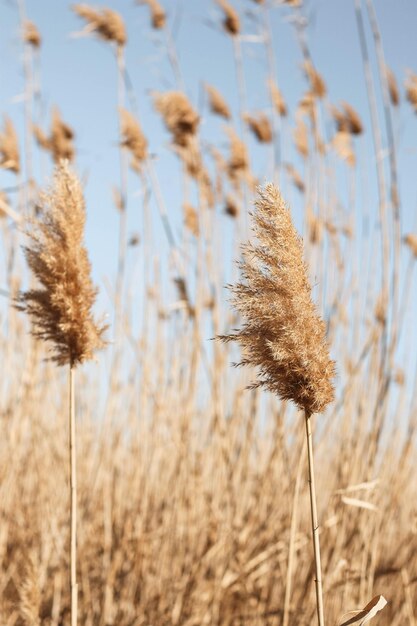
217, 103
107, 23
60, 142
158, 15
9, 148
60, 308
31, 34
231, 21
282, 333
179, 116
133, 139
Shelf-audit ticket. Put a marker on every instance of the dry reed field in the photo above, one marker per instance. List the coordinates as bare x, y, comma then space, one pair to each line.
145, 480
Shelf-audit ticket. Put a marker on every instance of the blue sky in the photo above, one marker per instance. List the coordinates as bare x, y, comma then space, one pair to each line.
79, 76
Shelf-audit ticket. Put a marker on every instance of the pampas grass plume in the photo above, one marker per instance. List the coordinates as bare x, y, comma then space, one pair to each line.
282, 334
61, 306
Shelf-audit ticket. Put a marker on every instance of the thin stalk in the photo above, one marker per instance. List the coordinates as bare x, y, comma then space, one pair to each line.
73, 504
314, 521
123, 193
293, 532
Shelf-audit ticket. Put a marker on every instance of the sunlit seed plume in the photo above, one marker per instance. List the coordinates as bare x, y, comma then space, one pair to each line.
134, 240
238, 162
393, 91
354, 122
4, 205
183, 296
282, 334
342, 145
300, 135
347, 120
217, 103
380, 310
191, 219
307, 105
314, 227
278, 100
411, 90
411, 241
31, 34
178, 114
9, 147
191, 157
108, 24
158, 15
60, 142
231, 21
317, 84
260, 126
133, 139
231, 206
61, 307
295, 177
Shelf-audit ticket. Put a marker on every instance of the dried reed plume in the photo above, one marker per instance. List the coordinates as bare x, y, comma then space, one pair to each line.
411, 90
31, 34
231, 21
231, 206
133, 139
300, 135
260, 126
191, 220
342, 144
393, 91
278, 100
178, 114
9, 147
217, 103
411, 241
60, 142
238, 162
347, 120
107, 23
295, 176
158, 15
317, 84
60, 308
282, 334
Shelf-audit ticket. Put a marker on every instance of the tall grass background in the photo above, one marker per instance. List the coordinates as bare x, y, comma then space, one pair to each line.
191, 488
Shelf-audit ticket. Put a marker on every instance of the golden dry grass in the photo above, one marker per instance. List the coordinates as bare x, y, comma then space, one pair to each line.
192, 494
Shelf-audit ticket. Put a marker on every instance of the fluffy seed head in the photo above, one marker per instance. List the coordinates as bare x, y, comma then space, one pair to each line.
158, 16
107, 23
31, 34
411, 90
61, 307
178, 114
394, 94
278, 100
260, 126
133, 138
9, 148
317, 84
411, 241
217, 103
282, 334
231, 21
60, 142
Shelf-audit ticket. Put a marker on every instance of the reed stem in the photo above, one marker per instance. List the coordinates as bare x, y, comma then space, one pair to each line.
73, 505
314, 521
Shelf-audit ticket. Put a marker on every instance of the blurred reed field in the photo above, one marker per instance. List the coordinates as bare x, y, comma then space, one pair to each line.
193, 498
